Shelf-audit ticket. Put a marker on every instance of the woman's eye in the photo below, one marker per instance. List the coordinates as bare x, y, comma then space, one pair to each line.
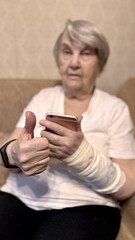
66, 51
86, 53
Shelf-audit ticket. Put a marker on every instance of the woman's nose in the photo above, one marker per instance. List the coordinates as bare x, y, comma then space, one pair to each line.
75, 61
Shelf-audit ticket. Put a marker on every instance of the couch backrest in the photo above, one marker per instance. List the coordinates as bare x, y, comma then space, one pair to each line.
14, 95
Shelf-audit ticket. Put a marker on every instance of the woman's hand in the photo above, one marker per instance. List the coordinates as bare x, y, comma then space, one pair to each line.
63, 142
30, 154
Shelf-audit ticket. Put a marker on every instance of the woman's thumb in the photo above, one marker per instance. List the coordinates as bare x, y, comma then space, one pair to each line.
30, 123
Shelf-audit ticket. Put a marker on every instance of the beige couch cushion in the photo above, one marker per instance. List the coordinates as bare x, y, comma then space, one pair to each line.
14, 95
3, 171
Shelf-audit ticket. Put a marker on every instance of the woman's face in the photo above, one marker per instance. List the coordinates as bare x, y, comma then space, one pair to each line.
78, 66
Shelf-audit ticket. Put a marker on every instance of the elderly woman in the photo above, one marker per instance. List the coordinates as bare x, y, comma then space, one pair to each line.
67, 184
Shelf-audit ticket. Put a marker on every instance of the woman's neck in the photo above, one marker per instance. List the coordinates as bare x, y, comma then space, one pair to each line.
76, 106
79, 94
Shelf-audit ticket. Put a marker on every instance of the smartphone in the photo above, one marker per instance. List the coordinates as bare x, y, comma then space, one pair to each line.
68, 121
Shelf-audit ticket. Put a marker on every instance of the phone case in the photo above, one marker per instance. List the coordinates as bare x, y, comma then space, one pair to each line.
68, 121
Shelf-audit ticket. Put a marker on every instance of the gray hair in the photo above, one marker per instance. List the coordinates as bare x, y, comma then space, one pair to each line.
88, 34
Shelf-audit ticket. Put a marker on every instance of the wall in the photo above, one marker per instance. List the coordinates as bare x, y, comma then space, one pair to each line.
28, 29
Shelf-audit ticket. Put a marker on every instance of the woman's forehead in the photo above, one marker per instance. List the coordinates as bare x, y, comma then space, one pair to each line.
67, 40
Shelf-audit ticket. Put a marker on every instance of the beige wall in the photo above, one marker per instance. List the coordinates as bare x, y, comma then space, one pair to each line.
28, 29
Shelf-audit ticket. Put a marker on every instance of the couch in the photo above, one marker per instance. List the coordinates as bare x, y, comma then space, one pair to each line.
15, 94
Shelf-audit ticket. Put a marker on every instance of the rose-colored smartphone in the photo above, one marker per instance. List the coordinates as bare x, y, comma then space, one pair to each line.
67, 121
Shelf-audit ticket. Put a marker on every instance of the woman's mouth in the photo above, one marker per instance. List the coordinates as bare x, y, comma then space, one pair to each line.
72, 75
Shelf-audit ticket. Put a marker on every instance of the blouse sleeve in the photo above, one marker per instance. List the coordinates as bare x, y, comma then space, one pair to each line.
121, 132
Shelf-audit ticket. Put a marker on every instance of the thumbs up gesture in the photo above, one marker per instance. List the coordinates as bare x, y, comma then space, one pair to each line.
30, 154
30, 123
